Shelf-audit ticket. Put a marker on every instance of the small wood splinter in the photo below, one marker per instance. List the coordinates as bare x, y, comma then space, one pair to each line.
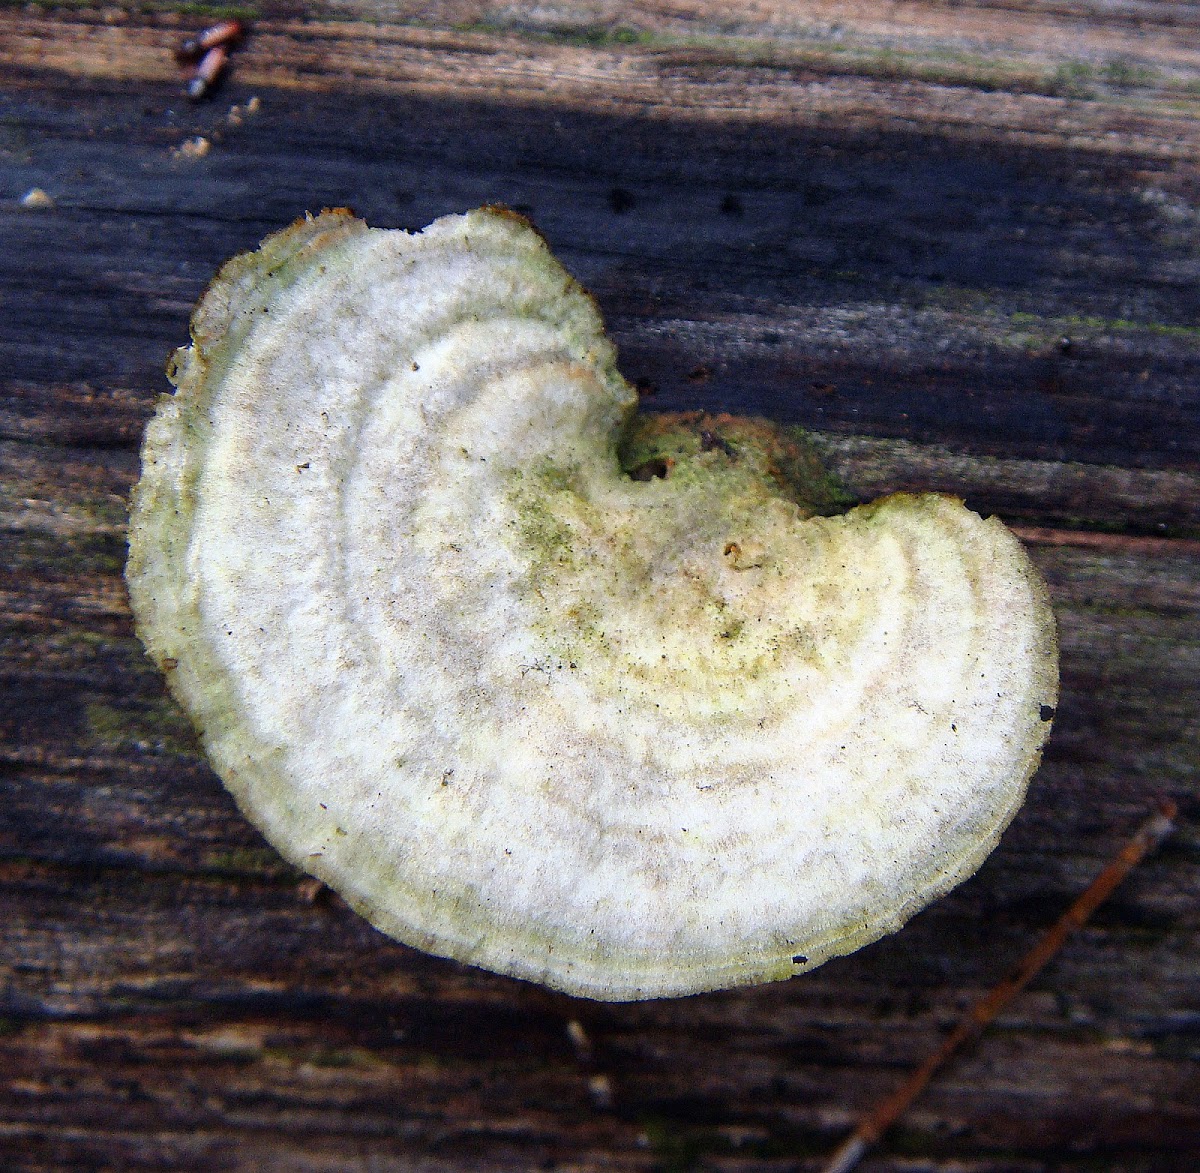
207, 72
226, 32
1151, 833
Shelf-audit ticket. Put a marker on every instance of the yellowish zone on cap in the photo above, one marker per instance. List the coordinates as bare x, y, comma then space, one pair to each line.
631, 736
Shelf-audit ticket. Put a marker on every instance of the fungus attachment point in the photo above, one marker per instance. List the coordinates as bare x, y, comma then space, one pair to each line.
627, 735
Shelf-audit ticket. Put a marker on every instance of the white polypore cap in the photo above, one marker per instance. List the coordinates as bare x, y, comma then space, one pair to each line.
627, 738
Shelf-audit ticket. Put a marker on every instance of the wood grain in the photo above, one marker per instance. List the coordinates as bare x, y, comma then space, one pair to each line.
956, 242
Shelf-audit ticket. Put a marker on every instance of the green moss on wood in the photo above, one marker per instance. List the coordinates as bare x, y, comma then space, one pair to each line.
1053, 328
674, 445
332, 1058
258, 862
246, 12
153, 725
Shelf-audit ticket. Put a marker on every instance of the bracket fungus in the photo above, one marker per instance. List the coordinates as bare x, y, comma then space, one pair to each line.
630, 736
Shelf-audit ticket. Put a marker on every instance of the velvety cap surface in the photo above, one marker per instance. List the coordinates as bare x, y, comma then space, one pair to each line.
626, 737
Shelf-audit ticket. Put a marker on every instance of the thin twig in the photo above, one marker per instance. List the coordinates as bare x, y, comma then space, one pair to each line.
1035, 535
887, 1112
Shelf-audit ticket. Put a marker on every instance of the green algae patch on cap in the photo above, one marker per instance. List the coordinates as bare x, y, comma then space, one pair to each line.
623, 706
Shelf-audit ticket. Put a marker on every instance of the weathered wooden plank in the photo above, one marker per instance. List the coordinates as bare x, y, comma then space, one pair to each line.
364, 1077
565, 48
1019, 304
133, 889
957, 242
